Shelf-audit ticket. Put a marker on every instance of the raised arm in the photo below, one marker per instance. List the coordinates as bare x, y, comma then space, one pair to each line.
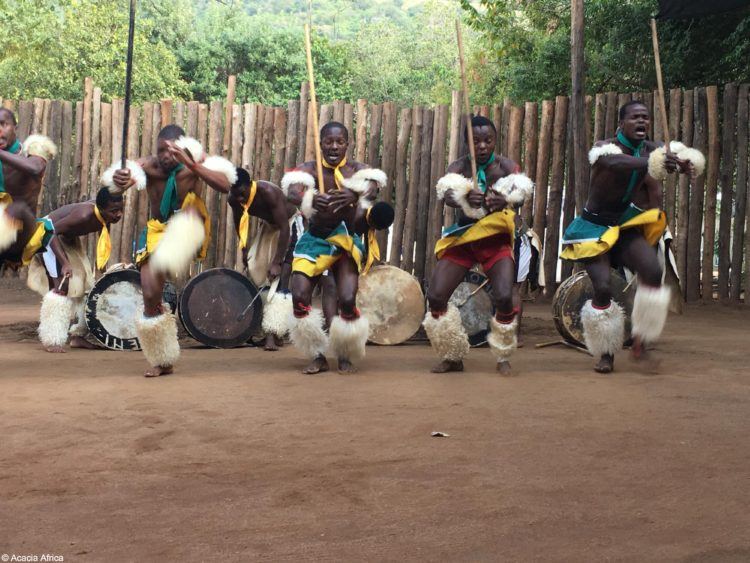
216, 171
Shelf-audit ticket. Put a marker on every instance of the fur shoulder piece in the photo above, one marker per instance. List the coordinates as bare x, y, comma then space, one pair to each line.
358, 181
515, 187
222, 165
39, 145
452, 181
597, 152
137, 176
296, 177
658, 157
193, 146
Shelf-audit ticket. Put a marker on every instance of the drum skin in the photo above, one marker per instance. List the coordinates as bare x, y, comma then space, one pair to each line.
212, 306
574, 292
114, 304
476, 310
392, 302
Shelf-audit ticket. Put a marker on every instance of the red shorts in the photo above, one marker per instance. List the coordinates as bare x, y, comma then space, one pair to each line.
487, 252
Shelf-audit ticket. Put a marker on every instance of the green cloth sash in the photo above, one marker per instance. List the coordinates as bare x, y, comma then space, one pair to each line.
15, 148
636, 152
482, 174
169, 203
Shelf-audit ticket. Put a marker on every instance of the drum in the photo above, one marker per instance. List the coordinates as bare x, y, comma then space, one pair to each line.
475, 306
574, 292
221, 308
114, 304
392, 302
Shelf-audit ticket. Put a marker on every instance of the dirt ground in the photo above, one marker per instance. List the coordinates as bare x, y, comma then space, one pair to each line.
238, 457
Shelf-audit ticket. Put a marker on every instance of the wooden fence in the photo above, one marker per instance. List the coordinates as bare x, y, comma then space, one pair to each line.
413, 146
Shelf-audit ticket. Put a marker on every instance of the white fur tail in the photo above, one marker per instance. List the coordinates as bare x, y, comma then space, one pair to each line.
276, 315
650, 311
348, 338
158, 338
502, 338
307, 334
603, 329
179, 245
447, 335
54, 319
8, 229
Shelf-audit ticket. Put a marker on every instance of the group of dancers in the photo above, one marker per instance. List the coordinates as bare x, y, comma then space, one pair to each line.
324, 235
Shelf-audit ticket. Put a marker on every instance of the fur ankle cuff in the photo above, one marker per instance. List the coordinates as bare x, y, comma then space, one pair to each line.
650, 312
307, 334
348, 338
447, 335
603, 329
54, 319
158, 339
502, 338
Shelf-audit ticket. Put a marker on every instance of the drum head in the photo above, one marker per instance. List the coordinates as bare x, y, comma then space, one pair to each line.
476, 310
214, 308
393, 303
574, 292
114, 304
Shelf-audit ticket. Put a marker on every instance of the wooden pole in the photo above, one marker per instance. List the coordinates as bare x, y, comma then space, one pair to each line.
128, 79
314, 102
660, 86
577, 105
467, 110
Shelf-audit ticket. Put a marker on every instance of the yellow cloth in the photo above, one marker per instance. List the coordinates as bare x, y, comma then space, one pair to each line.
490, 225
314, 255
104, 243
373, 248
36, 242
338, 177
245, 219
652, 223
155, 229
6, 198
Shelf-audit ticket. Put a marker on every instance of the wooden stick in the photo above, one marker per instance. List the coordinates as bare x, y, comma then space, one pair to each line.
467, 110
660, 85
314, 103
128, 79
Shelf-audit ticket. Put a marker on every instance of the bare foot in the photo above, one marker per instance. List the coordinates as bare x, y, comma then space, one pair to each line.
503, 367
56, 349
606, 364
519, 343
644, 361
79, 342
346, 367
158, 370
270, 345
447, 365
318, 365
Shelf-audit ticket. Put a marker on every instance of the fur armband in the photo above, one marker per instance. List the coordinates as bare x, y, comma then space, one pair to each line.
658, 157
296, 177
460, 186
223, 166
515, 187
306, 206
597, 152
358, 182
191, 145
39, 145
137, 177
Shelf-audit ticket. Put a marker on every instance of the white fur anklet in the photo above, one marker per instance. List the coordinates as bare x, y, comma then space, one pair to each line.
447, 335
54, 319
348, 338
650, 312
502, 338
276, 315
603, 329
307, 334
158, 338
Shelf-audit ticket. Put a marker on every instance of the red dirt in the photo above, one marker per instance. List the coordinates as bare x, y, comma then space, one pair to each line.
237, 456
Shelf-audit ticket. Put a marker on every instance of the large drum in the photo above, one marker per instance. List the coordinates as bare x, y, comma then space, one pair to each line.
114, 304
574, 292
474, 302
393, 303
221, 308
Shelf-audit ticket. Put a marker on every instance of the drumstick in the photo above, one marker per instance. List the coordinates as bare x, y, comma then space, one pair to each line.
314, 109
254, 299
469, 131
485, 282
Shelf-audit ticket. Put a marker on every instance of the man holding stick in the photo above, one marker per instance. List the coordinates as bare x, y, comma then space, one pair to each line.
621, 223
483, 233
331, 243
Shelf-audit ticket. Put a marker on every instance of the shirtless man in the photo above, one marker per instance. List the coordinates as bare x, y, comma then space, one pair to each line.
330, 243
22, 168
177, 232
483, 233
266, 201
62, 272
613, 229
